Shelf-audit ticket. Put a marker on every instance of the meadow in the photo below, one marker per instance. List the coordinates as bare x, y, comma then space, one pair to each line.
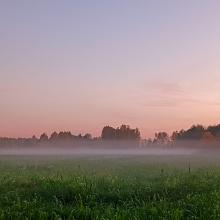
109, 187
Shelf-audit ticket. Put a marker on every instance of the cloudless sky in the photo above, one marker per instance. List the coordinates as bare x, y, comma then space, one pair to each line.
79, 65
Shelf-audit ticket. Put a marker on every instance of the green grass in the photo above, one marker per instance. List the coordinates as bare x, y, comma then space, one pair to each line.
108, 188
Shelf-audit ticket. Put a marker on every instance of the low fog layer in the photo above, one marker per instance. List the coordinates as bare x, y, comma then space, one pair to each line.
89, 151
194, 154
116, 148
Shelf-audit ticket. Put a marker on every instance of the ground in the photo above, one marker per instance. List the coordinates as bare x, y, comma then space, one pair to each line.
109, 187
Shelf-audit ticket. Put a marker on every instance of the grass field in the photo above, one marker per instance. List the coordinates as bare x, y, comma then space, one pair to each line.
131, 187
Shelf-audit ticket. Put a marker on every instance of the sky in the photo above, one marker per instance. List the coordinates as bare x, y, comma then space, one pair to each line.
78, 65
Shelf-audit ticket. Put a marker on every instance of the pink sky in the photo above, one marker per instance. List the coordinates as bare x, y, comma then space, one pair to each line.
80, 66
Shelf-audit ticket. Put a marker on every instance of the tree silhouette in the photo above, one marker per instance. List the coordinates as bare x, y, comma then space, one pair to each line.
214, 130
87, 136
207, 136
43, 137
54, 136
196, 132
161, 137
108, 133
124, 132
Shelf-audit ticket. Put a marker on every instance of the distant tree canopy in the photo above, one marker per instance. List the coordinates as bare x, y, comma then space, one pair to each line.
214, 130
198, 132
194, 133
161, 137
121, 133
43, 137
124, 132
67, 136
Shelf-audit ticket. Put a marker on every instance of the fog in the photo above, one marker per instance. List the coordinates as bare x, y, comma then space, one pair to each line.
183, 154
95, 151
114, 148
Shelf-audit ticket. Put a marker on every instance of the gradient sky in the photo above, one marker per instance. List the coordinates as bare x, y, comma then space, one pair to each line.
80, 65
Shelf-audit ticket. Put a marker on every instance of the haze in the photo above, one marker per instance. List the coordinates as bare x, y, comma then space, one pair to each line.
80, 65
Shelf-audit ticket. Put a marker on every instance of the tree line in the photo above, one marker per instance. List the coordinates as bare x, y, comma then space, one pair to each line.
194, 133
122, 133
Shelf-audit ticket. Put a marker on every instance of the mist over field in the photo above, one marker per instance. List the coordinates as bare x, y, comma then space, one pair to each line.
185, 148
48, 150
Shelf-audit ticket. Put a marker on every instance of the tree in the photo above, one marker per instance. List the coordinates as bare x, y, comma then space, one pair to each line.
196, 132
161, 137
54, 136
214, 130
33, 139
124, 132
207, 136
87, 136
44, 137
65, 135
108, 133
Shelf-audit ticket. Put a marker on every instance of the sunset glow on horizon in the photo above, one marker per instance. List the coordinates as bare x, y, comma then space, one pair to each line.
80, 65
